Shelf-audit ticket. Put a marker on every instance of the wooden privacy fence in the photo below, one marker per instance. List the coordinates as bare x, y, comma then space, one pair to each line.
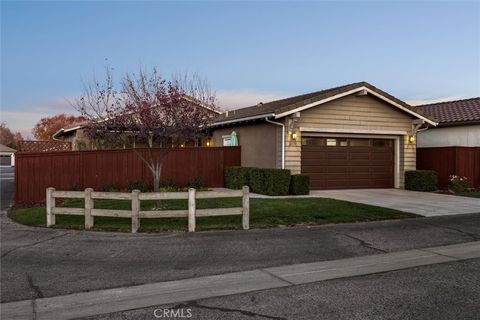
77, 170
89, 212
446, 161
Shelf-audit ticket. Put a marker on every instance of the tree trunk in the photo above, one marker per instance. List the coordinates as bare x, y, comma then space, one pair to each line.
156, 184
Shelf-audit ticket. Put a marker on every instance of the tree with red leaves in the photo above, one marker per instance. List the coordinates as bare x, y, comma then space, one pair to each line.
158, 112
8, 137
46, 127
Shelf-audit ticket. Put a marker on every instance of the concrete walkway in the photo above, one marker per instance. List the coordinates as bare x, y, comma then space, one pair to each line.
422, 203
91, 303
426, 204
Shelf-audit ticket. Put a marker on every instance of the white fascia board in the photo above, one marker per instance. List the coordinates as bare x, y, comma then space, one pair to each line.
341, 95
242, 119
353, 131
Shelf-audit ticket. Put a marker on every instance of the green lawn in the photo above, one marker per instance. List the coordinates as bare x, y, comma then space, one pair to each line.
264, 213
473, 194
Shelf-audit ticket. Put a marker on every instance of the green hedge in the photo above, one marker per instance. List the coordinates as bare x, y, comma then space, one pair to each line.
272, 182
421, 180
299, 184
237, 177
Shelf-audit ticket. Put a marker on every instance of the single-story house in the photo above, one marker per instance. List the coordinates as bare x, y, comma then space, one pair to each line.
458, 124
76, 134
7, 156
352, 136
452, 147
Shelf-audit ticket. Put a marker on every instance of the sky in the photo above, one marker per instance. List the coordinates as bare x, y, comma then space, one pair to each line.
249, 51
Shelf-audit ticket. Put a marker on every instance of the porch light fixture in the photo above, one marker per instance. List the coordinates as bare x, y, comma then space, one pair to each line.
294, 135
411, 139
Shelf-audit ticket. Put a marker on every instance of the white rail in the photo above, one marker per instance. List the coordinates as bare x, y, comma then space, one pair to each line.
89, 212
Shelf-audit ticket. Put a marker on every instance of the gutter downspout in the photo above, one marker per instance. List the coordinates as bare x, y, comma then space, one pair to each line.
283, 139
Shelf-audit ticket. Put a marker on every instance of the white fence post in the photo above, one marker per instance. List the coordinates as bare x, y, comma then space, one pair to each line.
246, 208
191, 210
50, 201
88, 208
135, 211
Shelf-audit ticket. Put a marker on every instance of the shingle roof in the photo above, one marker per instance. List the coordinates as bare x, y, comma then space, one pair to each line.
4, 148
452, 113
288, 104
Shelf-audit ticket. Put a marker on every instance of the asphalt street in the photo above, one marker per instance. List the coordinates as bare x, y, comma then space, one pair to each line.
442, 291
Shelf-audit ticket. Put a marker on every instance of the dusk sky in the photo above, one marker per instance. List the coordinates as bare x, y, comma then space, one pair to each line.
249, 52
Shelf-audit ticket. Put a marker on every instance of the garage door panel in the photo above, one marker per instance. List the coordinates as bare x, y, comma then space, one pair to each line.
364, 163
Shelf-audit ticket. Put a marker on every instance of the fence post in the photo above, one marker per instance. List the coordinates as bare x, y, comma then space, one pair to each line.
88, 208
135, 211
50, 202
191, 210
246, 208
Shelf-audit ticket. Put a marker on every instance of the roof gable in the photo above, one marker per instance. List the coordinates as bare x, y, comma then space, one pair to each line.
285, 107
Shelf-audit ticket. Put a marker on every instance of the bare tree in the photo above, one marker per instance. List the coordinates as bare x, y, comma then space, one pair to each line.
157, 112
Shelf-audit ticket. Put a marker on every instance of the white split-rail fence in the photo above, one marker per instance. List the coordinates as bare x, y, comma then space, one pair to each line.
89, 212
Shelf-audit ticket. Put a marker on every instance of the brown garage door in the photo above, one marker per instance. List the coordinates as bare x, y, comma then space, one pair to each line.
341, 163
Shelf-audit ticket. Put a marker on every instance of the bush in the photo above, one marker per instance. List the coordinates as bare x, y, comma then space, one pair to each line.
272, 182
108, 187
168, 184
196, 183
299, 184
458, 184
139, 185
237, 177
421, 180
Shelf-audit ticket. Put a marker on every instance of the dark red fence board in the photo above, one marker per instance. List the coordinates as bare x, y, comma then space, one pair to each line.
446, 161
34, 172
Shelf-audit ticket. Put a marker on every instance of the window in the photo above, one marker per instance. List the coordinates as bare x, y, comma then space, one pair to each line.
337, 142
382, 143
331, 142
227, 141
313, 141
359, 142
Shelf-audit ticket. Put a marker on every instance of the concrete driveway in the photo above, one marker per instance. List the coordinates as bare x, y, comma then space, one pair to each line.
423, 203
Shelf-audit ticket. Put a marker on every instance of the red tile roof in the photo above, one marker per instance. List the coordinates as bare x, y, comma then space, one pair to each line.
453, 113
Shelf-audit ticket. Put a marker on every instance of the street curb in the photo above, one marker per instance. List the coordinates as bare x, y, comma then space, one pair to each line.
91, 303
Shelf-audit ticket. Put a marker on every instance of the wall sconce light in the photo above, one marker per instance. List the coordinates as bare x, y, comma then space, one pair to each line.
411, 139
294, 135
208, 143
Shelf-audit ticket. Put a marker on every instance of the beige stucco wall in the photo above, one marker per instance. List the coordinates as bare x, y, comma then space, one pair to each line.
354, 113
258, 142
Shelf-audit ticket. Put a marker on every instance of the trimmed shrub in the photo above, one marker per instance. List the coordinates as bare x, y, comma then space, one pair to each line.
299, 184
272, 182
237, 177
421, 180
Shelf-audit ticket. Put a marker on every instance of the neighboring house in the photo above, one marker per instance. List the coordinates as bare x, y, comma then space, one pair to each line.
458, 124
353, 136
453, 147
7, 156
77, 136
